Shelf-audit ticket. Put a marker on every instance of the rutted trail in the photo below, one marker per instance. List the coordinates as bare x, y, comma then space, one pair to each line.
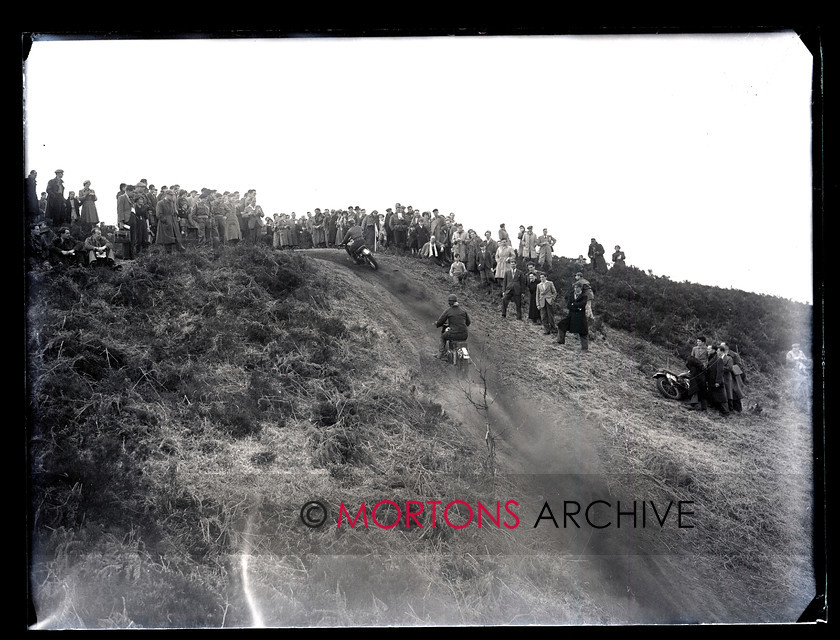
548, 449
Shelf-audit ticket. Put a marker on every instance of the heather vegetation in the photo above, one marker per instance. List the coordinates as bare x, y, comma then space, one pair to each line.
670, 314
181, 410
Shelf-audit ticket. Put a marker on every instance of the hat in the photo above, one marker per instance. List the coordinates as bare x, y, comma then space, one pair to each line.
530, 226
795, 345
453, 297
57, 171
579, 273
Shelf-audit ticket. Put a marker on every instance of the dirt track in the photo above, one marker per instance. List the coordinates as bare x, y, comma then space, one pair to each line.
548, 451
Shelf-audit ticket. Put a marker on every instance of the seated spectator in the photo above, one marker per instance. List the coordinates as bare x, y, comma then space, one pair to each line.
66, 249
38, 247
99, 249
458, 271
433, 249
796, 360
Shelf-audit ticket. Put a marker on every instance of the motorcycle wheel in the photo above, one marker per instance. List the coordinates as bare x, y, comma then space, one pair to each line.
668, 388
372, 262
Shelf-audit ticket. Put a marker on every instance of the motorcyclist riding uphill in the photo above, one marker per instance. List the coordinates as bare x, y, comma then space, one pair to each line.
454, 321
354, 240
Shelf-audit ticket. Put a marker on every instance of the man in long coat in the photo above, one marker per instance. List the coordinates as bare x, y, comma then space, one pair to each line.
732, 382
545, 248
125, 206
30, 196
56, 212
533, 279
715, 380
528, 244
168, 232
487, 260
575, 322
503, 260
458, 238
596, 255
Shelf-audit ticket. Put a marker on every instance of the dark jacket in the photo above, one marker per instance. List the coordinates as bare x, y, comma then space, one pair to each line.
715, 376
457, 319
515, 282
353, 233
577, 314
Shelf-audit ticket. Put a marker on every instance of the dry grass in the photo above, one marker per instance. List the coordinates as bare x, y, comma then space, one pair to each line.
209, 401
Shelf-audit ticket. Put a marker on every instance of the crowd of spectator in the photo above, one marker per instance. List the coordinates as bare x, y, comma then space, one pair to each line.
516, 269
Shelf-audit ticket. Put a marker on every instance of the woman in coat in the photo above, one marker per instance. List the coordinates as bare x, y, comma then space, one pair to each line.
284, 232
87, 196
233, 228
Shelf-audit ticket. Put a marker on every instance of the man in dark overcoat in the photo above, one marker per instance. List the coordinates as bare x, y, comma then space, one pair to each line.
715, 380
56, 206
575, 321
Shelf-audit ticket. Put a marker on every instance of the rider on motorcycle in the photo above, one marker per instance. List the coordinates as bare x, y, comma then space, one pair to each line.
454, 321
353, 241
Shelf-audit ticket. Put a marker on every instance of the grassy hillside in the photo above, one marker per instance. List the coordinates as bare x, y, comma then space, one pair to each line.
182, 410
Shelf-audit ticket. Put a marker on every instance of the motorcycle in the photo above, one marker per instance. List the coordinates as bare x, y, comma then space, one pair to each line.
674, 386
456, 351
363, 255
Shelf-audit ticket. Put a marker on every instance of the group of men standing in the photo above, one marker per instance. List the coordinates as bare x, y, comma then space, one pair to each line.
717, 377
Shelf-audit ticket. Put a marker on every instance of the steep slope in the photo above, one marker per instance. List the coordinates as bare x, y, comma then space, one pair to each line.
565, 419
251, 382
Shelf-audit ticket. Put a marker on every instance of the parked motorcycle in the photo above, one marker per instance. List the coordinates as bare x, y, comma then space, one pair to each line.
674, 386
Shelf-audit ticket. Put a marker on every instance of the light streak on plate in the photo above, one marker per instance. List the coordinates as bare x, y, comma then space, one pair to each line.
256, 616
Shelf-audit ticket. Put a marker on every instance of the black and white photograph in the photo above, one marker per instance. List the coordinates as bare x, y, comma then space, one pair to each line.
423, 329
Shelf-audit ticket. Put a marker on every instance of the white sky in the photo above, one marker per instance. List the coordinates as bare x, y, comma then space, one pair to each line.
691, 152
